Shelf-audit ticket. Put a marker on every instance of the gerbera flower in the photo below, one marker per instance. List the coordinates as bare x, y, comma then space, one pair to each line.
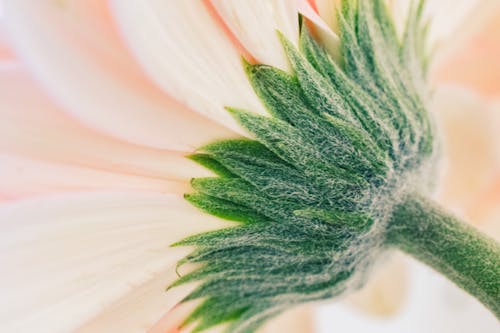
102, 185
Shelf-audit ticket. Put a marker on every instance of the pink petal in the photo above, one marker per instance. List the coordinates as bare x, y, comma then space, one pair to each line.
138, 310
73, 49
185, 51
171, 321
476, 62
327, 9
23, 177
32, 126
6, 54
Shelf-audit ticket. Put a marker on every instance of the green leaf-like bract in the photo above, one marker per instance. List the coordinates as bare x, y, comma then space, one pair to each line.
314, 190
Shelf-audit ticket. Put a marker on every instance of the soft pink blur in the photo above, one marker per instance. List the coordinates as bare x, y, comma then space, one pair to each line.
476, 63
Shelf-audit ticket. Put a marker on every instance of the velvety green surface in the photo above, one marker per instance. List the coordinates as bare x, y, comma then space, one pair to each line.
315, 189
453, 248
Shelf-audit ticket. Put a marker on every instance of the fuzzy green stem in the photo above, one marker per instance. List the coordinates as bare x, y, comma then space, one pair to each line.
467, 257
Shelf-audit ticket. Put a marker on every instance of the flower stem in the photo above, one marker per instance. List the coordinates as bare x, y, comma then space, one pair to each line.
467, 257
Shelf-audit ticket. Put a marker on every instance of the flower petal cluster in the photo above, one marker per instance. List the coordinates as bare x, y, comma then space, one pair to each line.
313, 191
99, 103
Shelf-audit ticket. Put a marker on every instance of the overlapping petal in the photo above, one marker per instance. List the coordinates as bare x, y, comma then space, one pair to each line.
188, 54
71, 258
327, 9
324, 28
255, 24
42, 150
22, 177
140, 309
73, 49
110, 275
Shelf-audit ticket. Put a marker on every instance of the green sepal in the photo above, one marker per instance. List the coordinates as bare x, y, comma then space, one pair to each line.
281, 93
224, 209
290, 144
357, 222
219, 314
315, 87
312, 190
211, 164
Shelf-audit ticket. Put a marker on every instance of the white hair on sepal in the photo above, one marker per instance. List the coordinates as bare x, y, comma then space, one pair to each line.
315, 188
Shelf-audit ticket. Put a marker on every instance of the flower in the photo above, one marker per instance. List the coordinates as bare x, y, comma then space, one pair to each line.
100, 165
92, 183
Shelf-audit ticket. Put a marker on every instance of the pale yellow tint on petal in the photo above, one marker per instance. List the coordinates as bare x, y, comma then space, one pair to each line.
322, 30
140, 309
255, 24
327, 9
478, 189
385, 292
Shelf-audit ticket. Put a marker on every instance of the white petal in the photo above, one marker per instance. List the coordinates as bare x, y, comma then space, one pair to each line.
326, 33
23, 177
296, 320
183, 49
72, 48
386, 291
141, 308
66, 259
255, 24
32, 126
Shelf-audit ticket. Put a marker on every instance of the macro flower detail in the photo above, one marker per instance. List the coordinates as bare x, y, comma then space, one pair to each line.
208, 165
314, 191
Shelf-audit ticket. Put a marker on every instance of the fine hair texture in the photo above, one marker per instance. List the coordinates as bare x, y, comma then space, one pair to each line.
314, 191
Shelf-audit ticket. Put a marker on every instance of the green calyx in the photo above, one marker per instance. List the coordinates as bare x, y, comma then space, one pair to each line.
314, 191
